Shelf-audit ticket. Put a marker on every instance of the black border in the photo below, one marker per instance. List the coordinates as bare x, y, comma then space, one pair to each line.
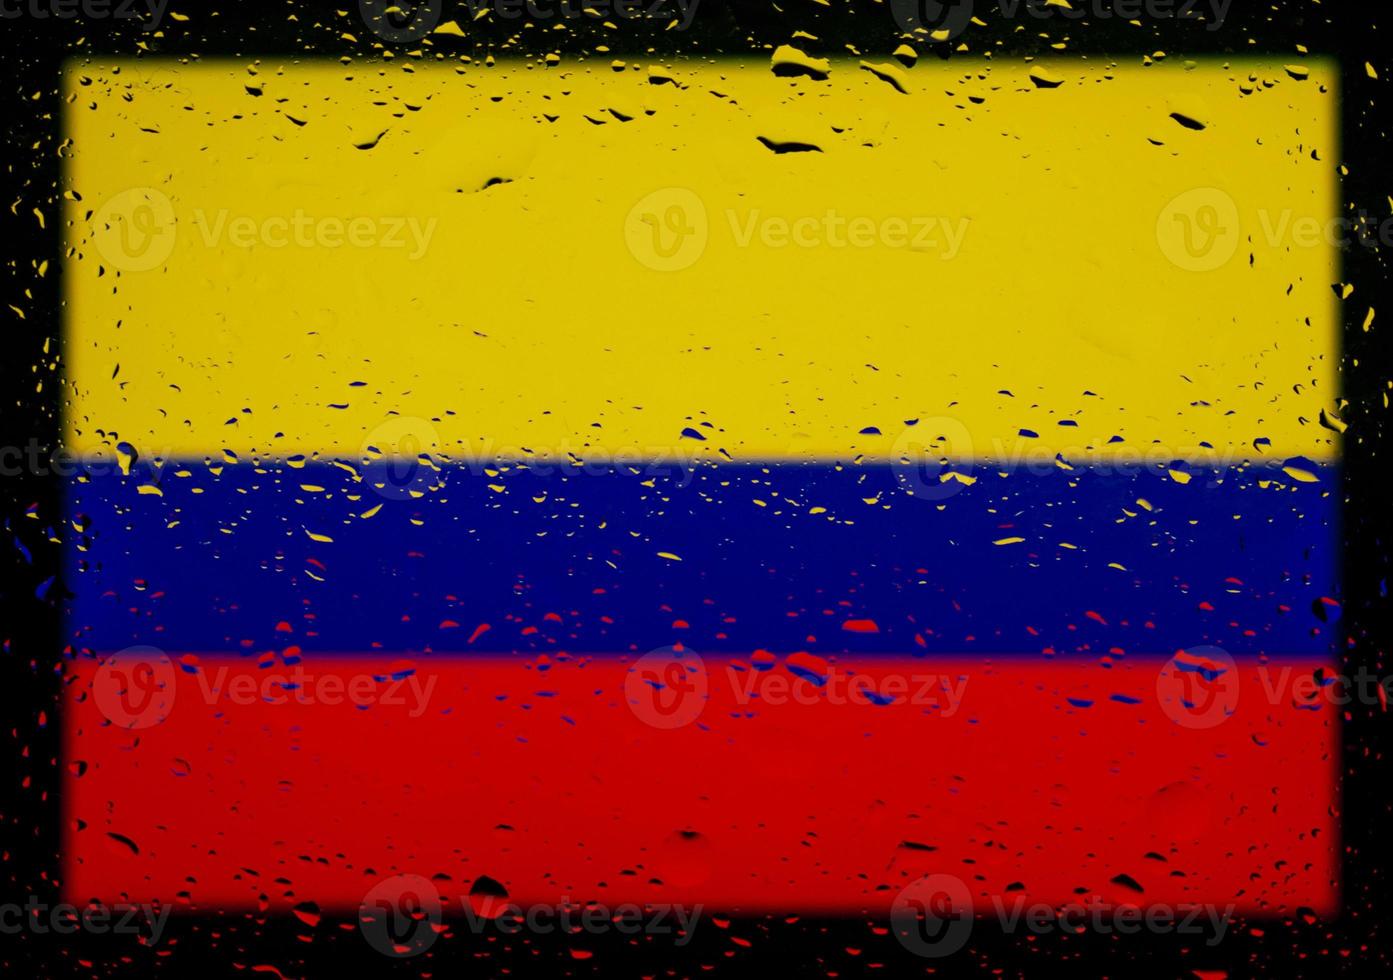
31, 400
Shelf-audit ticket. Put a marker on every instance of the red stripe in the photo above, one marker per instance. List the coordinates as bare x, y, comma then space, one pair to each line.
541, 775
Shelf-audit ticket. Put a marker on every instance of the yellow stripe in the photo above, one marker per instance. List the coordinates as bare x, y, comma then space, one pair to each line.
589, 261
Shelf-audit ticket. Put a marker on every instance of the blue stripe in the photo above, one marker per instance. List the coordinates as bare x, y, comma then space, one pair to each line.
750, 576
